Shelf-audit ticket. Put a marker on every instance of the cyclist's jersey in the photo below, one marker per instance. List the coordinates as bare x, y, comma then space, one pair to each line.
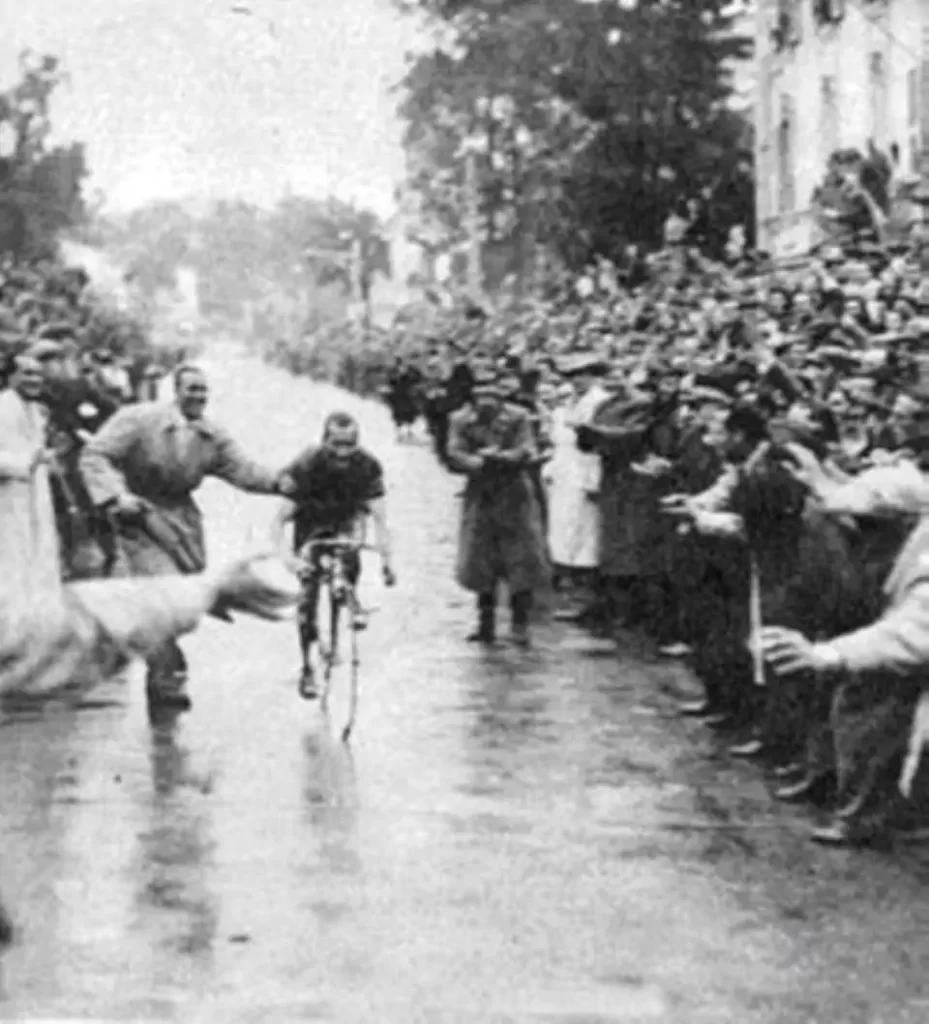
332, 494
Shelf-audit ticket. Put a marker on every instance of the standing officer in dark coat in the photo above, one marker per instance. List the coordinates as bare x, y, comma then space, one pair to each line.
501, 537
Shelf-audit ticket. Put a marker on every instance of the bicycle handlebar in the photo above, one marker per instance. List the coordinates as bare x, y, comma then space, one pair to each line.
334, 544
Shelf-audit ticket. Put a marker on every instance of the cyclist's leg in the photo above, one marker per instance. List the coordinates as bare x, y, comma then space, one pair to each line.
6, 927
307, 611
353, 576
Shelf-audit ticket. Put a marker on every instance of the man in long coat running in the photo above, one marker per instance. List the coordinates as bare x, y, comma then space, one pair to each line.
144, 466
501, 538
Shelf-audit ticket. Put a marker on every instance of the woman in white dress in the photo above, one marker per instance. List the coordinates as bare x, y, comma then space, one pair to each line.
572, 477
29, 555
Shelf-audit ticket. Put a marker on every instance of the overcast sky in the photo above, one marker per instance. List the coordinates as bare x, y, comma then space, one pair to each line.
190, 97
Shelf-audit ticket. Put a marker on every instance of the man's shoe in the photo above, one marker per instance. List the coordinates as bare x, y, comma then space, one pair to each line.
677, 650
751, 749
720, 721
786, 771
696, 709
817, 790
842, 834
481, 636
169, 696
569, 614
6, 928
307, 685
520, 635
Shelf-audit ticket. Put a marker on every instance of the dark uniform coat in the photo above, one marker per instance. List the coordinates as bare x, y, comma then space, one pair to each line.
501, 535
620, 430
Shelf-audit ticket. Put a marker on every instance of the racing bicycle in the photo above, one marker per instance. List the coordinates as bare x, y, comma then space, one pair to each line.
338, 613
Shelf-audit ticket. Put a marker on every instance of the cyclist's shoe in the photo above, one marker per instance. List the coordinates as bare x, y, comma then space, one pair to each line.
520, 635
307, 686
361, 619
7, 933
168, 693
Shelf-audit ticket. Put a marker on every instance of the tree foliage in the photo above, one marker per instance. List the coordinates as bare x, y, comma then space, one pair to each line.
40, 183
590, 122
300, 252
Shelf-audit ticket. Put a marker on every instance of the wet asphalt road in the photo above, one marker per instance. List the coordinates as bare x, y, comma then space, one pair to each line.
513, 837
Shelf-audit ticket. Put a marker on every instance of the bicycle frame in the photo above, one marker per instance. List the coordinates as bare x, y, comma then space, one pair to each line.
342, 596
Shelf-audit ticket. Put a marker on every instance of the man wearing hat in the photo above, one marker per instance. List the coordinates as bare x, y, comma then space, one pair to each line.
619, 432
722, 661
501, 538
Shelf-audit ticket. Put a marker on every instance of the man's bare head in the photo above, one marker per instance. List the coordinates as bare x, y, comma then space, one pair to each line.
340, 434
28, 377
191, 391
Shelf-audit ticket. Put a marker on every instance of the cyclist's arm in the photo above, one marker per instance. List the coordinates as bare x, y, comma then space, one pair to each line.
377, 510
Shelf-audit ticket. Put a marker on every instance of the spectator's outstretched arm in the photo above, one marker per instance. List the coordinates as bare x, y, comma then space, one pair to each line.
897, 642
885, 490
716, 497
87, 631
232, 465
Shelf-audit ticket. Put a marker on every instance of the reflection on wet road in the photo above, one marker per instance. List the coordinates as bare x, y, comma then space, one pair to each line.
514, 836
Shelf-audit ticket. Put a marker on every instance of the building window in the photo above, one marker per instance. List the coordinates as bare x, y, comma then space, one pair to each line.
877, 91
786, 192
828, 117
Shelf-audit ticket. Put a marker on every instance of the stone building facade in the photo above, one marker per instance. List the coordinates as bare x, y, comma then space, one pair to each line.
832, 74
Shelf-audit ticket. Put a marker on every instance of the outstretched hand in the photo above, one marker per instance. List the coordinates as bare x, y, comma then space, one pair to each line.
251, 585
788, 651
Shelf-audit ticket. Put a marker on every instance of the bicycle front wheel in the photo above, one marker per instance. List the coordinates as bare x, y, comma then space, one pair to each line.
352, 633
327, 619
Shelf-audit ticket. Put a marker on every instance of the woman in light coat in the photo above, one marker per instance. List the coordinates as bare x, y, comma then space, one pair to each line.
572, 478
29, 552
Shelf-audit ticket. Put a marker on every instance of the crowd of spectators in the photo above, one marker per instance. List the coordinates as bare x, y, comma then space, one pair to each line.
93, 359
690, 418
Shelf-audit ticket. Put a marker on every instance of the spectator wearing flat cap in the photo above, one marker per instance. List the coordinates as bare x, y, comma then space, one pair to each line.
721, 660
621, 434
501, 539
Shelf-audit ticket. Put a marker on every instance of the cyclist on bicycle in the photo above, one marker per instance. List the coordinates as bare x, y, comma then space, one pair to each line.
336, 486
